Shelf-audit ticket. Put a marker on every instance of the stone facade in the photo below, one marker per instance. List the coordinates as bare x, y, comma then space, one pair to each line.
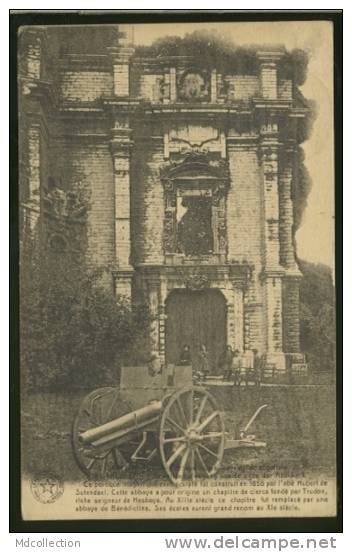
150, 138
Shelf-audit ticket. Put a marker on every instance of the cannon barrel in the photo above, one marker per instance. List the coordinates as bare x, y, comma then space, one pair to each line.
121, 426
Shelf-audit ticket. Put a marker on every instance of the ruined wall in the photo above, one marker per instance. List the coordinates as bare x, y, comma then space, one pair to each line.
115, 148
91, 164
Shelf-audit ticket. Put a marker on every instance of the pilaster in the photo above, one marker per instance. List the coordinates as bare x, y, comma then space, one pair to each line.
162, 317
291, 281
31, 71
291, 326
33, 41
238, 318
287, 253
229, 295
120, 148
269, 145
233, 293
120, 58
272, 270
268, 74
153, 302
173, 87
33, 200
213, 86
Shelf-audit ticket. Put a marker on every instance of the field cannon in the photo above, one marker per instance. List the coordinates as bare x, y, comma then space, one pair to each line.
152, 415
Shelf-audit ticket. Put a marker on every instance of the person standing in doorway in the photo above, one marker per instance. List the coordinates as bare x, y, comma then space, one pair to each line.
185, 356
226, 363
257, 368
237, 367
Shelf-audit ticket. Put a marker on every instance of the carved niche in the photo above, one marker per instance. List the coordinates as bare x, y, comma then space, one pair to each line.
195, 189
62, 203
193, 85
65, 216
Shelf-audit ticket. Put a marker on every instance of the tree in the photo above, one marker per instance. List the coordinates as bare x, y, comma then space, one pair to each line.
74, 331
317, 320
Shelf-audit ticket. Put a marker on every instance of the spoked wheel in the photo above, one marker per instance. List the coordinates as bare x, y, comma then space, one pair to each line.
192, 435
99, 407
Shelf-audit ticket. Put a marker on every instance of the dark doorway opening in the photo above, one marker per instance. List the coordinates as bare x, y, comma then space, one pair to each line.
195, 318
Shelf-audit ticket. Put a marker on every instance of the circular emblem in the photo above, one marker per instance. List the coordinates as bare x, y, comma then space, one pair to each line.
46, 488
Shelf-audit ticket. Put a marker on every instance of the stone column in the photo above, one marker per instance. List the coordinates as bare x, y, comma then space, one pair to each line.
153, 302
34, 58
273, 304
269, 151
173, 88
235, 318
166, 89
33, 43
120, 147
213, 86
272, 271
238, 318
121, 70
287, 254
230, 314
162, 318
31, 70
247, 327
268, 74
291, 329
33, 199
291, 283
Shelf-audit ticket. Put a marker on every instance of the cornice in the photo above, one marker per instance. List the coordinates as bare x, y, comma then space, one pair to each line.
273, 272
100, 138
269, 56
79, 110
277, 104
85, 62
234, 271
256, 106
293, 273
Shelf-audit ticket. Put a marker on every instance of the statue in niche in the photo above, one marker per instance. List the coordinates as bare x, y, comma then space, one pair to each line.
161, 90
73, 203
193, 86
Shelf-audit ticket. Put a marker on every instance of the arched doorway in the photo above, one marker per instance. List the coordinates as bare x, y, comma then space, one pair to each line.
196, 318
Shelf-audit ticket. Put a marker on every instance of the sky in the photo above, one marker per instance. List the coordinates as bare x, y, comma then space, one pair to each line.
315, 237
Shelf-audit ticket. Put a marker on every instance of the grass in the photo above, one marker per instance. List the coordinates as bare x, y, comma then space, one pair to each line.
298, 426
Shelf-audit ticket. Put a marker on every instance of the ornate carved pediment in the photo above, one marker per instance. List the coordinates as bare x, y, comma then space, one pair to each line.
198, 138
193, 278
195, 164
194, 219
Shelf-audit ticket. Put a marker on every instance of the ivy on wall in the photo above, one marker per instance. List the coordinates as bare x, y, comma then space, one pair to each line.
210, 49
